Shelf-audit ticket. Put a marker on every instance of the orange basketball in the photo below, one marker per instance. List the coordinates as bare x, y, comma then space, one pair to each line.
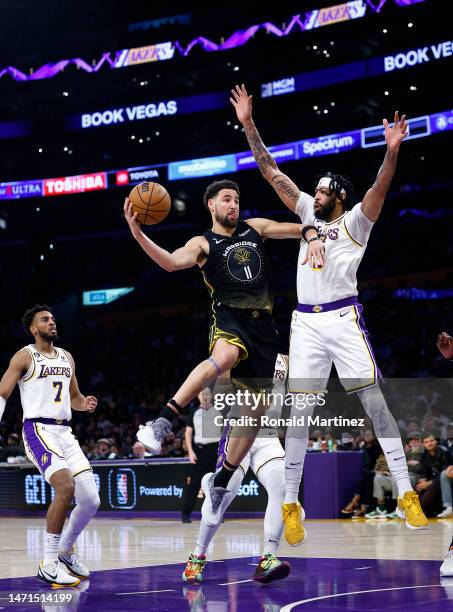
151, 202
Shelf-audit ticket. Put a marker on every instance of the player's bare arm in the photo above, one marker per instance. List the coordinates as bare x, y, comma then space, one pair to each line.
445, 345
79, 402
273, 229
374, 198
188, 256
19, 364
286, 189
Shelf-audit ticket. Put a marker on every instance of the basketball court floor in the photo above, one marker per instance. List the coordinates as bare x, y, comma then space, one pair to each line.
137, 564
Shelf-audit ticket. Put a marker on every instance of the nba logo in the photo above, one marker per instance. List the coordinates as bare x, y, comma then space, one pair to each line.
121, 489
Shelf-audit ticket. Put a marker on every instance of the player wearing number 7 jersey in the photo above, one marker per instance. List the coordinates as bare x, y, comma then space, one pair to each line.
48, 390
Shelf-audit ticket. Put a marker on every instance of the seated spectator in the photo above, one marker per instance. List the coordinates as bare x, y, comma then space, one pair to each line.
414, 453
358, 506
114, 452
139, 451
13, 448
103, 445
434, 461
383, 482
177, 451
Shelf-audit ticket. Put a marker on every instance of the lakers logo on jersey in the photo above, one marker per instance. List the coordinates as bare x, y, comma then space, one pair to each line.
243, 262
44, 459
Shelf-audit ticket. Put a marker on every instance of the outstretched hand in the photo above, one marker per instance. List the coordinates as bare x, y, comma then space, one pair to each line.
395, 134
242, 103
91, 403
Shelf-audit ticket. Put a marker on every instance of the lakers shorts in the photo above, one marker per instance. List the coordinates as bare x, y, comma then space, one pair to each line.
52, 448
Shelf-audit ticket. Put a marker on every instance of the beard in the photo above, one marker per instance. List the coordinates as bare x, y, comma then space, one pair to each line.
225, 222
48, 337
324, 212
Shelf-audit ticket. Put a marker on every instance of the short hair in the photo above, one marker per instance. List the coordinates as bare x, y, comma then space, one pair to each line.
337, 183
428, 434
213, 189
30, 313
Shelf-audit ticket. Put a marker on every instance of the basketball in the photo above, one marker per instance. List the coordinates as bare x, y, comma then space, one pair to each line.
151, 202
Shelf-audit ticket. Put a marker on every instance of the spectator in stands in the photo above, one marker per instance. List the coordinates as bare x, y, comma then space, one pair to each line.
103, 448
358, 506
139, 451
414, 453
13, 448
434, 460
382, 483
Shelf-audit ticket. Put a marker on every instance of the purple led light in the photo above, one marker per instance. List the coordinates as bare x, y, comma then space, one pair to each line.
237, 39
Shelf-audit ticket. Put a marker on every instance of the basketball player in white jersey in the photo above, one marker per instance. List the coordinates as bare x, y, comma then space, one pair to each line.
266, 459
327, 325
48, 390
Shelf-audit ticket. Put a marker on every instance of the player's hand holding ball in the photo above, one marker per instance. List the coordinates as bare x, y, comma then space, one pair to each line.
91, 403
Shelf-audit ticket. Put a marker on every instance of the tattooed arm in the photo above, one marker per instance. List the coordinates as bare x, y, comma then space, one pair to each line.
374, 198
287, 191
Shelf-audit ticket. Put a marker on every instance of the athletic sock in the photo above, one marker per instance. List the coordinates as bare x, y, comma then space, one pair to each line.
51, 544
223, 476
171, 410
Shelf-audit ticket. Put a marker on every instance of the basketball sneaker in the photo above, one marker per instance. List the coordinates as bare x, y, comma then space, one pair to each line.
376, 514
194, 568
293, 514
153, 434
74, 565
270, 568
211, 510
393, 515
446, 513
446, 569
410, 509
56, 575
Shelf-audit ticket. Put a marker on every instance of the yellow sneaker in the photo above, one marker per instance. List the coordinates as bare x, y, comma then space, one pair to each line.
293, 515
410, 509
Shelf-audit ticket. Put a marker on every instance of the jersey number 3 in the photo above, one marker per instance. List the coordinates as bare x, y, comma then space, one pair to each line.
59, 386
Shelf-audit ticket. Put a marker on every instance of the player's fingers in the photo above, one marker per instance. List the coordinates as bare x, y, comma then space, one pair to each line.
244, 91
234, 94
386, 123
234, 103
238, 90
396, 119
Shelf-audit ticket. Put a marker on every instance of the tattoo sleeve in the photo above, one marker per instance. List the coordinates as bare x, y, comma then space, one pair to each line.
283, 184
386, 171
262, 156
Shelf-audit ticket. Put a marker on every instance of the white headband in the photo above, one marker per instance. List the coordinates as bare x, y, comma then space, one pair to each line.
325, 181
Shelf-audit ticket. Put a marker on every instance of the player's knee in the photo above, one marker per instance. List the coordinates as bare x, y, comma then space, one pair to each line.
65, 489
225, 359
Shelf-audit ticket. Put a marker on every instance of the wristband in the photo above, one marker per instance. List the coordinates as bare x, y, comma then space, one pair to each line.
314, 238
2, 406
306, 228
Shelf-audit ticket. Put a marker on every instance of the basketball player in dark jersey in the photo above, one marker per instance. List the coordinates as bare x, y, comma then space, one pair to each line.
234, 266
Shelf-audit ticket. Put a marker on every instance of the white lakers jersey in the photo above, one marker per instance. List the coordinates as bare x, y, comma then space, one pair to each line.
345, 240
44, 388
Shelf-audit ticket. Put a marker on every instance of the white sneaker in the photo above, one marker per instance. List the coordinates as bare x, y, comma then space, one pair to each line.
211, 510
74, 565
152, 435
54, 573
446, 569
448, 511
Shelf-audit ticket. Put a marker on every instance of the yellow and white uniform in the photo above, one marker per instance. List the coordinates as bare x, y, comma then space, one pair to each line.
327, 325
46, 403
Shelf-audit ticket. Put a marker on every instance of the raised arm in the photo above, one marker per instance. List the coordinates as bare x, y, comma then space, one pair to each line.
273, 229
374, 198
185, 257
286, 189
19, 364
79, 402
